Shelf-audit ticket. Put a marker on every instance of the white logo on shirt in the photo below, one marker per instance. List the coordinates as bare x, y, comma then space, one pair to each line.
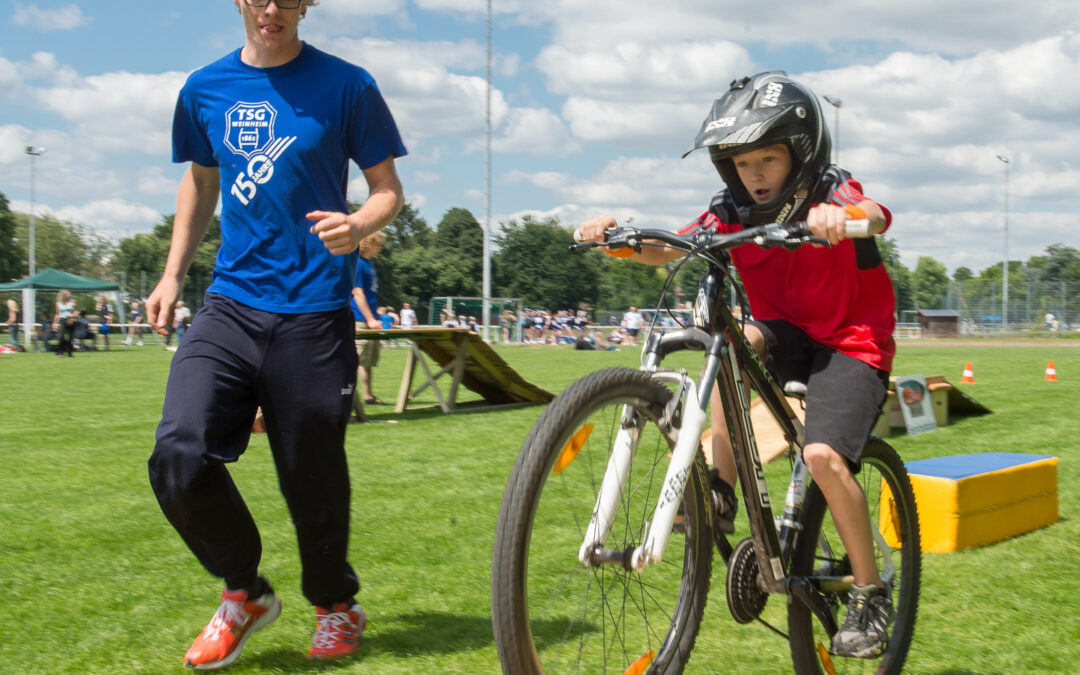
249, 131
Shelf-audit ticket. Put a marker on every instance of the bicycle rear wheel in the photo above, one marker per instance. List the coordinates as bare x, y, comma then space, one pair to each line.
819, 553
549, 611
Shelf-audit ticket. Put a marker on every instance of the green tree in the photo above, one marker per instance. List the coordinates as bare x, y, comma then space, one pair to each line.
624, 283
931, 283
534, 263
147, 253
962, 274
12, 263
65, 246
459, 250
900, 275
408, 230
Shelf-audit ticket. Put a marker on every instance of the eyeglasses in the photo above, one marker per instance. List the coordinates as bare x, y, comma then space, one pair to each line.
282, 4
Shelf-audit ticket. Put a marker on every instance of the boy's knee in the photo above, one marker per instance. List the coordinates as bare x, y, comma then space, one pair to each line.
822, 460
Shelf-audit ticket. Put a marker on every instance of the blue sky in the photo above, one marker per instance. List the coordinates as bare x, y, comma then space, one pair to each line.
593, 104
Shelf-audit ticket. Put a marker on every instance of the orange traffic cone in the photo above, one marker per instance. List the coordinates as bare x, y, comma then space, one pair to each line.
969, 375
1051, 372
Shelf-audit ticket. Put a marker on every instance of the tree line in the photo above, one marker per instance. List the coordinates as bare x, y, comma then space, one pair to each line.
529, 260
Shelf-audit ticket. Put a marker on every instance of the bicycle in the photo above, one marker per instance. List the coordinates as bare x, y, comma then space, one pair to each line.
603, 549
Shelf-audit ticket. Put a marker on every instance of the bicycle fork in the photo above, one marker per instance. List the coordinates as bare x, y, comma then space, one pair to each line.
655, 536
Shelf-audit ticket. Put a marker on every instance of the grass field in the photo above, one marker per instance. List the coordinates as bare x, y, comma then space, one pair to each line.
94, 580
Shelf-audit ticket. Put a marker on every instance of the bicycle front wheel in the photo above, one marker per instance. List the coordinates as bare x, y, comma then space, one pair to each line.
552, 613
820, 556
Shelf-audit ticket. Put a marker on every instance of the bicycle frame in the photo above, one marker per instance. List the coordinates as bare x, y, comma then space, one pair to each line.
729, 356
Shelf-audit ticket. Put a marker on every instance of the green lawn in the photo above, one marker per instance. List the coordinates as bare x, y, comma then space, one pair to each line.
94, 580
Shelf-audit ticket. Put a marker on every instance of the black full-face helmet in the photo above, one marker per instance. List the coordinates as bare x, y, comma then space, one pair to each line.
759, 111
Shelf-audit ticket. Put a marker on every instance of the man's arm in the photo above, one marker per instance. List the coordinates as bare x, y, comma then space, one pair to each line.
365, 309
195, 203
341, 233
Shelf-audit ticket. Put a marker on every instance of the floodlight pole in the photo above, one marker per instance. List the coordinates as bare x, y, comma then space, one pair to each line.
34, 153
486, 301
29, 303
836, 103
1005, 260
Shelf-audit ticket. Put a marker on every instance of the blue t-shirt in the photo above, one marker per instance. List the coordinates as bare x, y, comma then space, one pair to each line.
367, 280
282, 139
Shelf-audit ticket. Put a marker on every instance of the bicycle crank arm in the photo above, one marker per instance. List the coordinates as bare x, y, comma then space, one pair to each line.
805, 592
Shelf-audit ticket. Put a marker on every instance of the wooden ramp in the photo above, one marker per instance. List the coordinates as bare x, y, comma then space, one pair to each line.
947, 398
466, 359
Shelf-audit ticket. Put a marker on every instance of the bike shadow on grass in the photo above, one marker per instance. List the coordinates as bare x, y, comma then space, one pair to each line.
403, 635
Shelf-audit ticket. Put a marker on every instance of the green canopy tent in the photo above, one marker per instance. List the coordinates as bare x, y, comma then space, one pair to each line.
55, 280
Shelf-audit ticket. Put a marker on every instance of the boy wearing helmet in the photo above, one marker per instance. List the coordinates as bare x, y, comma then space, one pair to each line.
822, 315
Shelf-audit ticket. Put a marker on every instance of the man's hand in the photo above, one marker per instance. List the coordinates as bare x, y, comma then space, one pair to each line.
337, 233
161, 304
374, 324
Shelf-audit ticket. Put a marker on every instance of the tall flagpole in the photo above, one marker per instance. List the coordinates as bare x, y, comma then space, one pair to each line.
487, 192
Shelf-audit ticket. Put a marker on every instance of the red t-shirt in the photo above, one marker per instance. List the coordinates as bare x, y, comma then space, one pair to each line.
841, 296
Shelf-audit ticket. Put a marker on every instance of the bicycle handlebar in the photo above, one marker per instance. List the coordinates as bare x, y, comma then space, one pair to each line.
775, 234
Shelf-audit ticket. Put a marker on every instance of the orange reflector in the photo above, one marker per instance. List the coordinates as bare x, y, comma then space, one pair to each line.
573, 447
641, 665
826, 659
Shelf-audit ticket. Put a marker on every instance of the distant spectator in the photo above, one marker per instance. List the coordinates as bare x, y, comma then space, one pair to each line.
448, 318
387, 317
62, 323
137, 322
13, 318
81, 332
182, 319
408, 316
631, 324
364, 302
105, 314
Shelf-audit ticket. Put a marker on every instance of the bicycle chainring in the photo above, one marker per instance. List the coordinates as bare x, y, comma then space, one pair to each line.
745, 598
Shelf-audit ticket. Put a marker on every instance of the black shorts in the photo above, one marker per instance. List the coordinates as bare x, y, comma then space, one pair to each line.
843, 394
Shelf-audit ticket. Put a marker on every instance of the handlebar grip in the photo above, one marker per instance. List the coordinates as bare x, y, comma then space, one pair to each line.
858, 229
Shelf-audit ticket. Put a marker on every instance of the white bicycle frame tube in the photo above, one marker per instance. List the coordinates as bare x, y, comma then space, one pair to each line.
607, 501
694, 419
656, 533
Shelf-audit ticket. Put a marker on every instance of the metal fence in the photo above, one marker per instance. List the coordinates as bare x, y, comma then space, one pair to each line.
1032, 306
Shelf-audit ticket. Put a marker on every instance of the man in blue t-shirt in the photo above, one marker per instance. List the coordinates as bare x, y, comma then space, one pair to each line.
364, 301
270, 128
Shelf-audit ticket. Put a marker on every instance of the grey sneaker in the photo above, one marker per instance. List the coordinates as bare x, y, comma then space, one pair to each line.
725, 503
865, 631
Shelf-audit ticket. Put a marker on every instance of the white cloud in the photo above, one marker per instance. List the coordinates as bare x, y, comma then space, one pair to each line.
9, 75
623, 72
151, 180
427, 98
114, 217
531, 131
958, 27
61, 18
119, 111
336, 10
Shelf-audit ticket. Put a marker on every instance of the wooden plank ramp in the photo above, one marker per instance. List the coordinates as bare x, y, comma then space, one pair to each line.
465, 359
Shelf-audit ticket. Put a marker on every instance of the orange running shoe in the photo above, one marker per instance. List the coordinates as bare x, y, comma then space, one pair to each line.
337, 631
235, 620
